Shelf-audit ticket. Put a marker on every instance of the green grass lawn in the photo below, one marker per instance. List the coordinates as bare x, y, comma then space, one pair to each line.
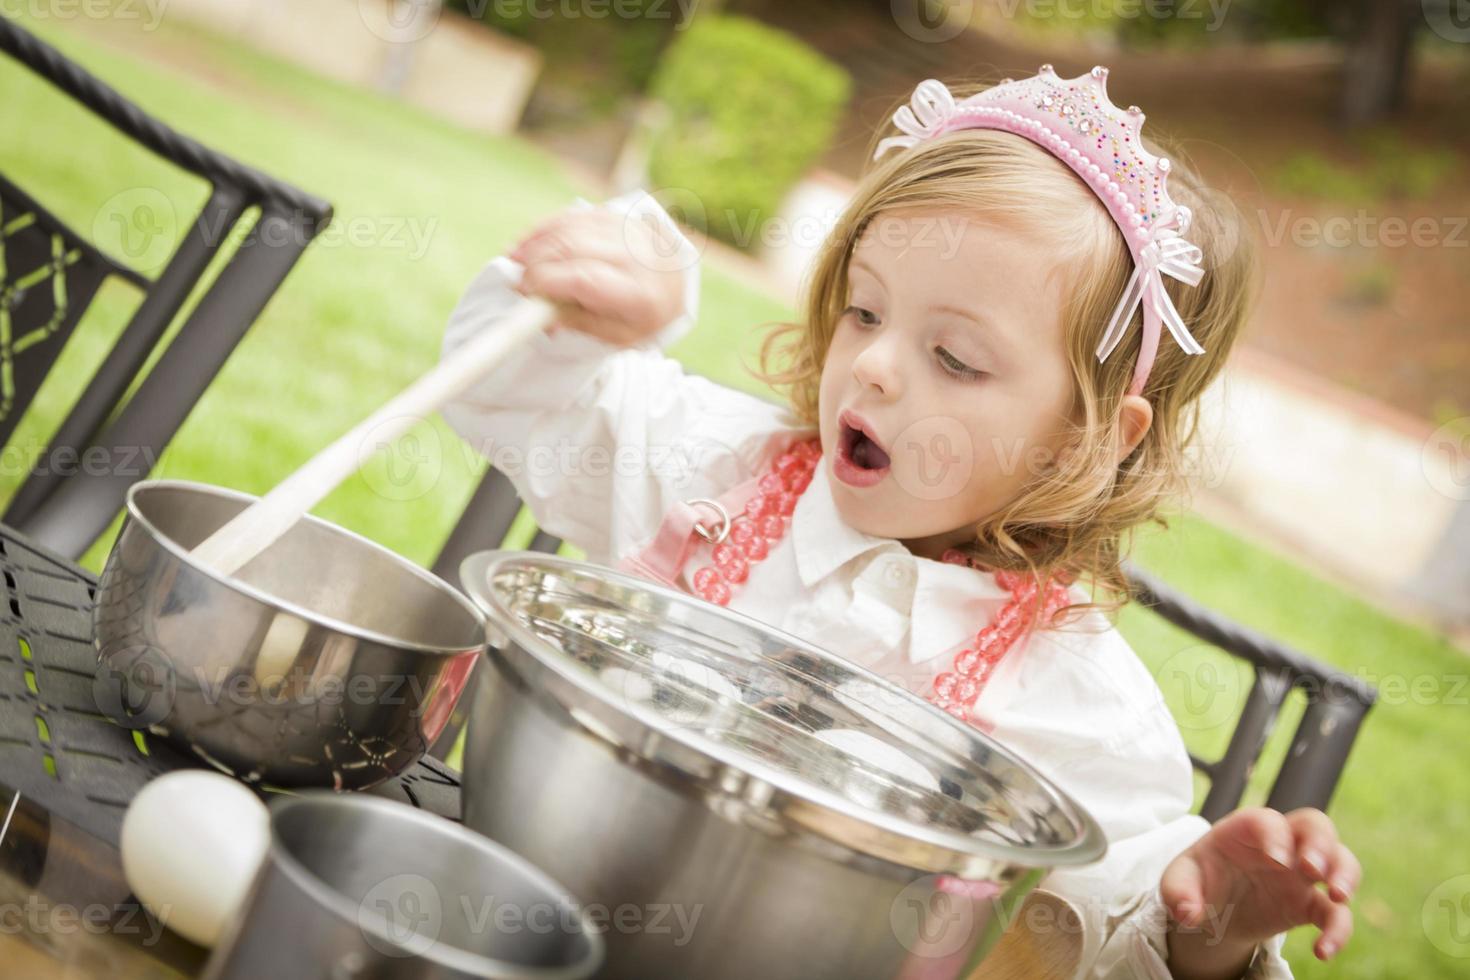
360, 318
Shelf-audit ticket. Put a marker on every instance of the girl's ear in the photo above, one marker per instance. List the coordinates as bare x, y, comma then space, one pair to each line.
1134, 419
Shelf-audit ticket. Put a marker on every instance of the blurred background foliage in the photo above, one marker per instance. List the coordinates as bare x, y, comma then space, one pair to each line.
756, 89
750, 109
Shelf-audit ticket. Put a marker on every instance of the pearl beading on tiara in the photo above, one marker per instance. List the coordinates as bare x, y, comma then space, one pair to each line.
1076, 122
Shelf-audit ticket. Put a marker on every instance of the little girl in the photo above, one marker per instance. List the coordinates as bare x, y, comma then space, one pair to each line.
981, 405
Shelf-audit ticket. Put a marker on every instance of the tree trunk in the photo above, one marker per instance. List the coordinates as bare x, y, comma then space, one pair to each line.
409, 20
1376, 67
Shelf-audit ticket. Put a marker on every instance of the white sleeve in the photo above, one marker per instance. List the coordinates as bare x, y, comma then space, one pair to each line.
600, 440
1091, 718
1137, 947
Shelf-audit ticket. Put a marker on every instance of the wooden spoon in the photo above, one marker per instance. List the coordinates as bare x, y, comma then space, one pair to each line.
258, 526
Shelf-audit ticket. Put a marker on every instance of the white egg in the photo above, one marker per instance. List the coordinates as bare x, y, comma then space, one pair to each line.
191, 843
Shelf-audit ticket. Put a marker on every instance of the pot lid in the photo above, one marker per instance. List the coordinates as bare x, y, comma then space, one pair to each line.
769, 729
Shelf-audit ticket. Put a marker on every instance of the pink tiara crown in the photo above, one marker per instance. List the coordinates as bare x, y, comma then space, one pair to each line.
1074, 120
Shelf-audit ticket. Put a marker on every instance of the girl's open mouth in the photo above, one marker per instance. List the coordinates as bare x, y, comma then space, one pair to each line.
860, 460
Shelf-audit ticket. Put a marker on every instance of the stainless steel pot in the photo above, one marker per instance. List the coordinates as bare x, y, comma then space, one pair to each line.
327, 661
750, 805
357, 886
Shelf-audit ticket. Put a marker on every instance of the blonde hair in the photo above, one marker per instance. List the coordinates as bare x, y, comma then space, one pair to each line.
1072, 520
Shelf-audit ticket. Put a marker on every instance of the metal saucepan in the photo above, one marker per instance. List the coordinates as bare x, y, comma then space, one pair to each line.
327, 661
358, 886
738, 803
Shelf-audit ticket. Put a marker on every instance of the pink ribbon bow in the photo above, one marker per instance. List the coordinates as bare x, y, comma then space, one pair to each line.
929, 108
1166, 255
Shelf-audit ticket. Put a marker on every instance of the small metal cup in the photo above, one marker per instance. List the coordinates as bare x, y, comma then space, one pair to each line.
360, 886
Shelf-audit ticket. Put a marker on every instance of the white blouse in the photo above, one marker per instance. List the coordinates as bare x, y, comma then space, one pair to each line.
600, 441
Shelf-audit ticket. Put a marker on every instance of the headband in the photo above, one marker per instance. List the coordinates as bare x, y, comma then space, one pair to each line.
1074, 120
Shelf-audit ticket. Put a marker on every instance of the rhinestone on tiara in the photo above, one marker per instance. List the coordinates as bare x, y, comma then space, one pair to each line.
1075, 121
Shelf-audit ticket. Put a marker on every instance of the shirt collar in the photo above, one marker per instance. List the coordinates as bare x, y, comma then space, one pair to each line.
947, 603
824, 541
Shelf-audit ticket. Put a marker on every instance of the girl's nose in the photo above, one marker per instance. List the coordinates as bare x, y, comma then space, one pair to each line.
877, 365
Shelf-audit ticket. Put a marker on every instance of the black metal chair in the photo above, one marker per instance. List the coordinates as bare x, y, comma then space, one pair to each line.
49, 276
1336, 702
484, 523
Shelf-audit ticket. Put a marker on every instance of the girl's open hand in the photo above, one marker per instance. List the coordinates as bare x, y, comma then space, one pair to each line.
1257, 873
609, 275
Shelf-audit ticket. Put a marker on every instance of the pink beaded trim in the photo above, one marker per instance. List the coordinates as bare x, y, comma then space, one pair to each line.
755, 531
763, 522
957, 690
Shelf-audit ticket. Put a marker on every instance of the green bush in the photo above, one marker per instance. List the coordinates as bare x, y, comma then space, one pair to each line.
750, 109
1402, 170
1309, 174
1392, 168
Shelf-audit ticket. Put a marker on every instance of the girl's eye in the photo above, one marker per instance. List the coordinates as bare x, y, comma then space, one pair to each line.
955, 366
865, 317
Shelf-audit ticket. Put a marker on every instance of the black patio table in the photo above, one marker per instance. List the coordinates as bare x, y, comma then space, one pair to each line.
67, 774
